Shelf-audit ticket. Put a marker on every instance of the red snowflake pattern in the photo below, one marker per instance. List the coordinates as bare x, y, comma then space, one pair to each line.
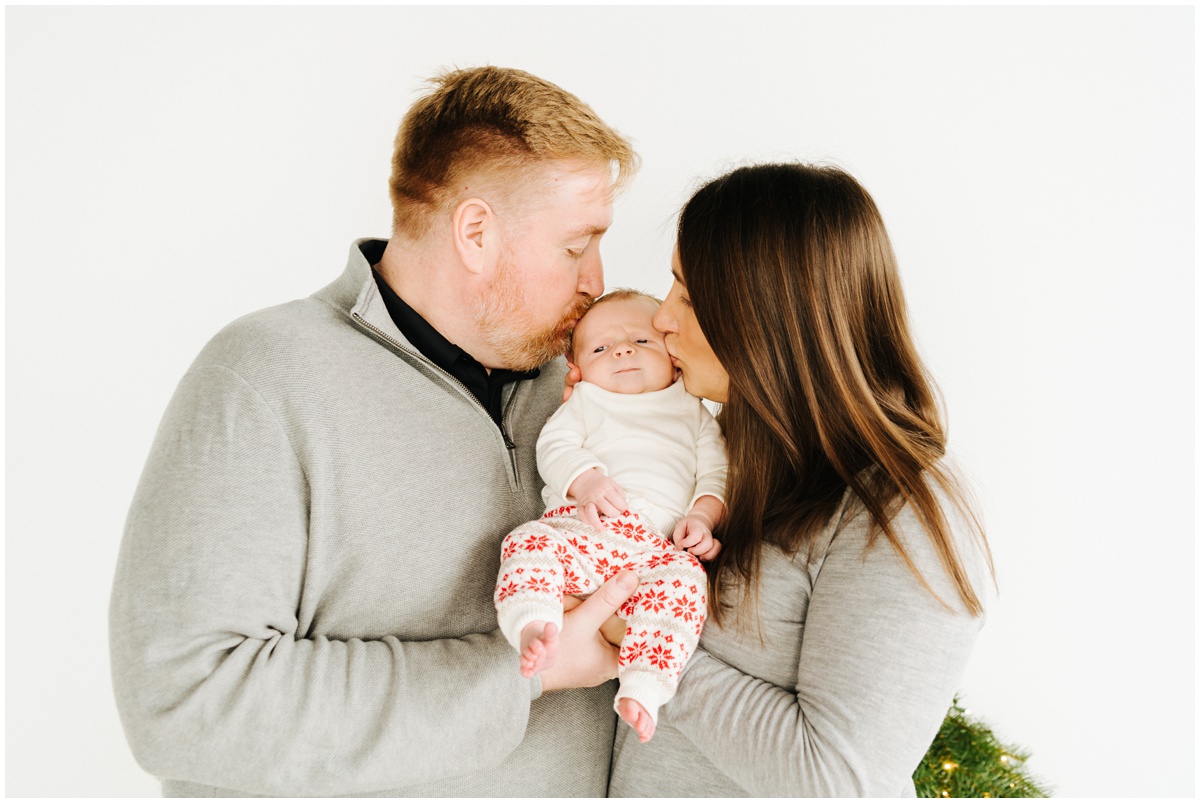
571, 582
661, 559
684, 608
535, 543
654, 602
660, 657
537, 585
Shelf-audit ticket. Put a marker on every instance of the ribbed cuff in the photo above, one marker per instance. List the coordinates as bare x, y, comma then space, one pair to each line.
512, 619
648, 688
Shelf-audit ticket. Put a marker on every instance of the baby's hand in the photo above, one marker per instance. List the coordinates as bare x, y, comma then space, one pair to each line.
694, 533
596, 494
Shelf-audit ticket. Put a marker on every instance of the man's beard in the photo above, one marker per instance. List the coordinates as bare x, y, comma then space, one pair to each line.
519, 343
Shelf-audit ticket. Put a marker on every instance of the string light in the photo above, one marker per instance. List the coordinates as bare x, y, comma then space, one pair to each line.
966, 758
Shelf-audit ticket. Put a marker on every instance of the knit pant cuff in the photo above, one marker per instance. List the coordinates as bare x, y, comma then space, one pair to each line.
513, 618
648, 688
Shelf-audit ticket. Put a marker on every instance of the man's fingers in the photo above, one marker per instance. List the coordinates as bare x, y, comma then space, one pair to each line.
574, 374
607, 599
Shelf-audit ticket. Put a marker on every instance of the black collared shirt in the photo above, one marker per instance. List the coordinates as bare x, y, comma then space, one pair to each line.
486, 387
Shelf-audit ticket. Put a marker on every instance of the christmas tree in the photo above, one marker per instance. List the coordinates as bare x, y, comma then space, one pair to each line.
967, 760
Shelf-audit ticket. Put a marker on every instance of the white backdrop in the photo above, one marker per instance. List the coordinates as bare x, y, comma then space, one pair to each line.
171, 169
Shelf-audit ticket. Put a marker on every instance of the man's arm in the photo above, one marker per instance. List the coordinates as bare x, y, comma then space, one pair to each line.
215, 682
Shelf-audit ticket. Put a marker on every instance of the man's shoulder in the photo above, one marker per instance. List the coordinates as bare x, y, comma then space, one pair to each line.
292, 332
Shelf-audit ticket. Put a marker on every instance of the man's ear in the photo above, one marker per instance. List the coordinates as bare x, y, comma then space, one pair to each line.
475, 234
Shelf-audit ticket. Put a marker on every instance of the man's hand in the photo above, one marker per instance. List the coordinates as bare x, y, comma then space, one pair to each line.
694, 531
613, 628
585, 658
596, 495
573, 377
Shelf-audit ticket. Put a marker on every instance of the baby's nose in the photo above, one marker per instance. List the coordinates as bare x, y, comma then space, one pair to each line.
623, 348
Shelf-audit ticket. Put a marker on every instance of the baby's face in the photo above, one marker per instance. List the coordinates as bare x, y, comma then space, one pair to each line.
618, 348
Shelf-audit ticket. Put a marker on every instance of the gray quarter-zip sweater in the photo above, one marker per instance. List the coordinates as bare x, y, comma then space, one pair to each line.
303, 598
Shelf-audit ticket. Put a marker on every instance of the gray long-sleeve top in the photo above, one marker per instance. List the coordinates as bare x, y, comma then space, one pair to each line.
841, 696
303, 599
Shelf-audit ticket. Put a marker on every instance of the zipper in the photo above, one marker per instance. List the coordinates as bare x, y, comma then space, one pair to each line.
508, 442
509, 445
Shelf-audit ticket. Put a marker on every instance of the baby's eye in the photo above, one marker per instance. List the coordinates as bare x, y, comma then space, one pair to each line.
598, 349
642, 340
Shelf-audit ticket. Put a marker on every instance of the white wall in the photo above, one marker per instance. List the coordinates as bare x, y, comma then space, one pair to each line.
170, 169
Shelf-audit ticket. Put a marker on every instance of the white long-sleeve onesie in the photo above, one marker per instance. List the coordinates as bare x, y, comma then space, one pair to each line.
664, 449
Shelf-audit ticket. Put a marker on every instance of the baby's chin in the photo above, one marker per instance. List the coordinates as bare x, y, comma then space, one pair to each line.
632, 382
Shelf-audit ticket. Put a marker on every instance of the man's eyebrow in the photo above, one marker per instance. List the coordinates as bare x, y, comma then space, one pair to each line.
589, 231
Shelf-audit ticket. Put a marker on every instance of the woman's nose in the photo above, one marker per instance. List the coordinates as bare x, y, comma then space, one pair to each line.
662, 320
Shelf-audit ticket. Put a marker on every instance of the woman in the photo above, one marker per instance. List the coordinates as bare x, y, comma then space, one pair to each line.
850, 587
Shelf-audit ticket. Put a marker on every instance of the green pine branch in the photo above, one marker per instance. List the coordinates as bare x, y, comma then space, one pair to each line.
967, 760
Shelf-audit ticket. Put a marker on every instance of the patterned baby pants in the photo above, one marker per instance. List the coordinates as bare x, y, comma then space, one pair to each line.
559, 554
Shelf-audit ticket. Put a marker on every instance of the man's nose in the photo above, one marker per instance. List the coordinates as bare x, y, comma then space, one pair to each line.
591, 276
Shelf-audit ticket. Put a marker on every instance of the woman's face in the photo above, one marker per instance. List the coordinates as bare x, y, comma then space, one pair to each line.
703, 374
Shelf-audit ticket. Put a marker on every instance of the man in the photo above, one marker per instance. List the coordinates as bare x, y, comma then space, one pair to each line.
303, 600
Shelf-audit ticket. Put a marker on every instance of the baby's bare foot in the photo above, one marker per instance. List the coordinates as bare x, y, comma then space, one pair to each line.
539, 647
638, 717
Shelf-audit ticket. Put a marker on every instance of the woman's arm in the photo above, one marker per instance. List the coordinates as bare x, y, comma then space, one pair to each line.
879, 662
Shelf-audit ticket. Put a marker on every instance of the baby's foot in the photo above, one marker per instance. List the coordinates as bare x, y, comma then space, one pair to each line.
638, 717
539, 647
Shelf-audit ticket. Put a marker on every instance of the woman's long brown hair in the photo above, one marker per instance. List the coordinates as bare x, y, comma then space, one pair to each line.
795, 286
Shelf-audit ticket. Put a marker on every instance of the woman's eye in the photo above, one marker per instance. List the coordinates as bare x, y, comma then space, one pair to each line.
684, 300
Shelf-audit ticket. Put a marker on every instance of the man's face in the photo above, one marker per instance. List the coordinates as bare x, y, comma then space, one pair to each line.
550, 269
617, 347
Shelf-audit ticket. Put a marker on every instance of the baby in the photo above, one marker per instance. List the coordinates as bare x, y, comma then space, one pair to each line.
632, 446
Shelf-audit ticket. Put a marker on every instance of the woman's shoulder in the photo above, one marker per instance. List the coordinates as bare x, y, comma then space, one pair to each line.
853, 528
